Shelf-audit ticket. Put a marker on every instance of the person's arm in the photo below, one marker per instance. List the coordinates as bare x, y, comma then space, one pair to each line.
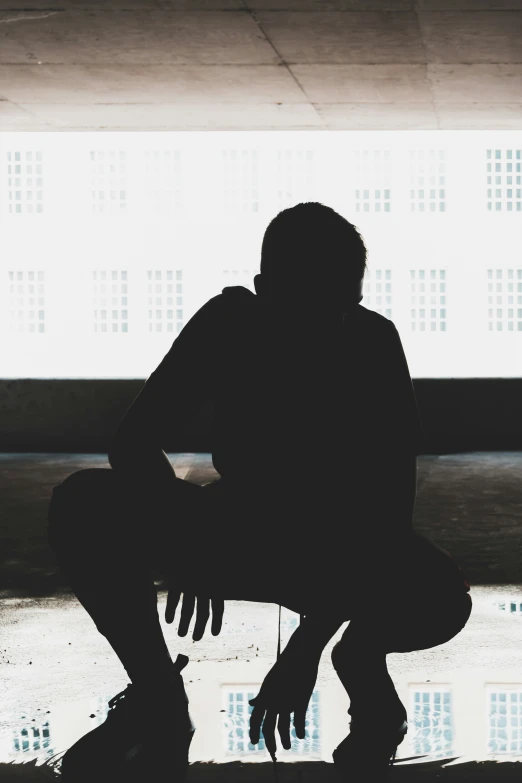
288, 686
173, 394
408, 427
399, 434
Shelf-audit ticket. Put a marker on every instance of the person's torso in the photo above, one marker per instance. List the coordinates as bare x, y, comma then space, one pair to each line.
296, 402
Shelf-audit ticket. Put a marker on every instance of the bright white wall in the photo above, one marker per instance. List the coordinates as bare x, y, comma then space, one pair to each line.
194, 206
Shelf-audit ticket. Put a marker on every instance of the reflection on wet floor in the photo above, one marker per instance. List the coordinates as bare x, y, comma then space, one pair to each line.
463, 699
511, 605
442, 723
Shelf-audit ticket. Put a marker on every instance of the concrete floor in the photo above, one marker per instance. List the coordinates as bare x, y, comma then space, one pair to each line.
56, 669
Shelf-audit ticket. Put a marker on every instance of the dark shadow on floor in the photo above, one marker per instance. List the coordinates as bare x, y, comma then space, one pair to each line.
301, 772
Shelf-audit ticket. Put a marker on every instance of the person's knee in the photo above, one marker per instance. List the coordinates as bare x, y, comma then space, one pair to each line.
76, 506
337, 656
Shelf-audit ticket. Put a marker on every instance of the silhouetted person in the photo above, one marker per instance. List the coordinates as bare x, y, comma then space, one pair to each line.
316, 432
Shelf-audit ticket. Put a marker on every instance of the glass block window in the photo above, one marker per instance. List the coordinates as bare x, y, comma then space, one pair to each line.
504, 180
108, 181
431, 722
512, 606
373, 171
32, 740
295, 177
237, 720
244, 277
377, 291
427, 181
165, 300
505, 300
241, 181
164, 181
25, 182
26, 302
311, 744
505, 721
428, 300
110, 301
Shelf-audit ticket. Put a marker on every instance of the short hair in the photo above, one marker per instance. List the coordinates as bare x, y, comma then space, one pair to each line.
312, 243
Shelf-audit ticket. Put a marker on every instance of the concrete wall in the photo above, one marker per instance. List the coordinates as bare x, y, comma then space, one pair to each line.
81, 415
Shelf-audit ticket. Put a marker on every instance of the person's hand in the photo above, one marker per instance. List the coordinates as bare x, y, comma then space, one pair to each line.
287, 688
204, 604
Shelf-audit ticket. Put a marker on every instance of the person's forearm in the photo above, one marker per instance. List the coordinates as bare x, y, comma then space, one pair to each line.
314, 633
147, 465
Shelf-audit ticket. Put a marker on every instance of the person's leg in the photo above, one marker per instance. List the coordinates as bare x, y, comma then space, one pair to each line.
427, 607
106, 542
418, 623
102, 543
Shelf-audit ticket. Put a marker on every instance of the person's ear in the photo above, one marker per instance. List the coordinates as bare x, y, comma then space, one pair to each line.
261, 286
360, 292
354, 293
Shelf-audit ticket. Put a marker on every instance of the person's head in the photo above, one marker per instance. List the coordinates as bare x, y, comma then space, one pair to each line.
310, 253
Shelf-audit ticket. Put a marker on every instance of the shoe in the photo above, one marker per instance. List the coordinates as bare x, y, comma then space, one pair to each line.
140, 739
369, 750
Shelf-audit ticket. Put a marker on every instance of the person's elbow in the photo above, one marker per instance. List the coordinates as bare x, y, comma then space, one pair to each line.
118, 456
125, 450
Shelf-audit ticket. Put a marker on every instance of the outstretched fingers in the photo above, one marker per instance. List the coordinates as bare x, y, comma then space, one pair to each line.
173, 597
269, 725
218, 609
187, 610
202, 615
256, 720
283, 728
300, 722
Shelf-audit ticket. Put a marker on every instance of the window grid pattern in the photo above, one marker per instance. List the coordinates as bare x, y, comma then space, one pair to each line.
33, 740
110, 290
510, 607
377, 291
428, 300
373, 172
244, 277
237, 720
241, 181
432, 718
165, 300
504, 180
108, 181
427, 181
27, 301
505, 300
25, 182
164, 181
295, 176
505, 721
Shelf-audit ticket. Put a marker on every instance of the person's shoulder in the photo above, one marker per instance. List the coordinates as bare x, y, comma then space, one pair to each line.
236, 300
229, 298
237, 294
373, 320
222, 309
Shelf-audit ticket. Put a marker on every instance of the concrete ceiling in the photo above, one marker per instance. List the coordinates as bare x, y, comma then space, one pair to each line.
260, 64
